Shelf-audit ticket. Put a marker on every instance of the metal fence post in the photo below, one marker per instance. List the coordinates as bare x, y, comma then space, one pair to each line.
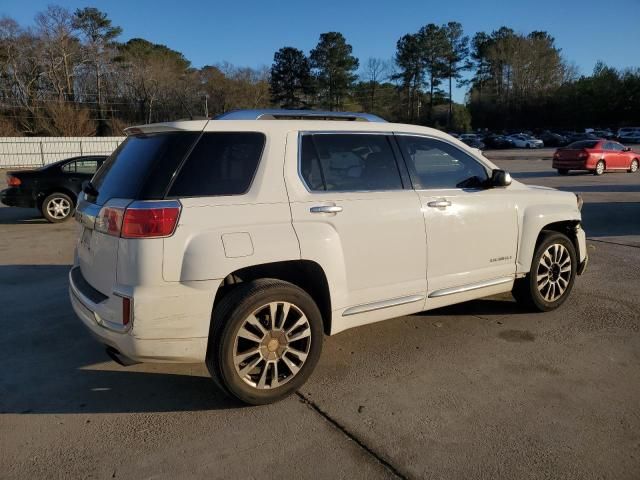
80, 142
42, 153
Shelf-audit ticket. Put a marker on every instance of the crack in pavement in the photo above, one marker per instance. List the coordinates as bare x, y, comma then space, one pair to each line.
379, 458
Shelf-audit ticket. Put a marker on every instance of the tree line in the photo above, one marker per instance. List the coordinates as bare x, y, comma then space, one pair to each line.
69, 74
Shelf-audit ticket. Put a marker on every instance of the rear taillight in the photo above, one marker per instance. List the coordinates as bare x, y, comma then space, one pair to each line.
13, 181
150, 219
583, 155
109, 220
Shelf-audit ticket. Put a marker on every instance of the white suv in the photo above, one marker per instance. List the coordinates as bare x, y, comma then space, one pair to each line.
241, 241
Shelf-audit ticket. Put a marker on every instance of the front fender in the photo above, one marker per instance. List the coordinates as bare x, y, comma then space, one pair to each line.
534, 220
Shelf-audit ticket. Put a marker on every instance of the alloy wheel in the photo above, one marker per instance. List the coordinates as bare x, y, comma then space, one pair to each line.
272, 345
554, 272
58, 208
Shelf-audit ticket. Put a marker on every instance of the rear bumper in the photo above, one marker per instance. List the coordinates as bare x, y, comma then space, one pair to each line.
159, 331
12, 197
569, 164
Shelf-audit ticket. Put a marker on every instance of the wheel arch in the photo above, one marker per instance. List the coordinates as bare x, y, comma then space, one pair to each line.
49, 191
306, 274
539, 220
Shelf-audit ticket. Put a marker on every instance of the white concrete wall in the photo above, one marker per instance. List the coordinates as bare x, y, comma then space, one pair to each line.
38, 151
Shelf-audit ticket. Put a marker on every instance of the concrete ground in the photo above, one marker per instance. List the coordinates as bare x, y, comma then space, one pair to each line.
478, 390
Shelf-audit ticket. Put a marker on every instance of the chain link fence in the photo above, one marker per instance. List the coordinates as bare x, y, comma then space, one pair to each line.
17, 152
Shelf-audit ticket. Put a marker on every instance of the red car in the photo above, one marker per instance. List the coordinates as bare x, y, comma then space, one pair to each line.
595, 156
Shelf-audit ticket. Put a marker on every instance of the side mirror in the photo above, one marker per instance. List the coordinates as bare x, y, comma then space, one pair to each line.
626, 149
500, 178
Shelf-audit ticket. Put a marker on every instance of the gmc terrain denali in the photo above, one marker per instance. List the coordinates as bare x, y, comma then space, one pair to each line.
241, 241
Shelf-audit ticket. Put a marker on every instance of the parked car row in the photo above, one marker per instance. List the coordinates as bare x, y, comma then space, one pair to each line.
546, 138
629, 135
519, 140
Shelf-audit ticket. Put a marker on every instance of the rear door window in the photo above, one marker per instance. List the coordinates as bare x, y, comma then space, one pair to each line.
142, 166
85, 167
222, 163
349, 163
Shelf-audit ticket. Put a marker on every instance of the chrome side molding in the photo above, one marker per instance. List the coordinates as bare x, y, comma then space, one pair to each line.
393, 302
470, 286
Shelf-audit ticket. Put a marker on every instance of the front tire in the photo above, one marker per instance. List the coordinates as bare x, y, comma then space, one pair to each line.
552, 274
633, 168
600, 168
265, 341
57, 207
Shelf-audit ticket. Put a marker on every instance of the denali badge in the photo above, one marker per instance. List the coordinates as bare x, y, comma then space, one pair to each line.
500, 259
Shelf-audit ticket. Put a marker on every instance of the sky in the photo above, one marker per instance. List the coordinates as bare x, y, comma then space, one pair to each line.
248, 32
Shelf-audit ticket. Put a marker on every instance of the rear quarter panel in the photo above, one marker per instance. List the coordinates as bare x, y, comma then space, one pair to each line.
218, 235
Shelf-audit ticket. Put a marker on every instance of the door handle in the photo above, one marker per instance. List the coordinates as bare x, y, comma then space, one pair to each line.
439, 203
326, 209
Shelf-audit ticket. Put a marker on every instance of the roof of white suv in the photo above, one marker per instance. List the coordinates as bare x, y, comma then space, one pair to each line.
287, 120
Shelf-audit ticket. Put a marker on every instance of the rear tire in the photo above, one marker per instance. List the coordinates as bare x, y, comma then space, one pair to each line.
553, 271
633, 168
600, 168
265, 340
563, 171
57, 207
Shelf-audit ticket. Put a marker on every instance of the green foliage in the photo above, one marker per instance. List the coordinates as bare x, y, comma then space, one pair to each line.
95, 25
291, 81
334, 67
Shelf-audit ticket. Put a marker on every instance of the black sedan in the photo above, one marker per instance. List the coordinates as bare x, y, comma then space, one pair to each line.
52, 189
498, 141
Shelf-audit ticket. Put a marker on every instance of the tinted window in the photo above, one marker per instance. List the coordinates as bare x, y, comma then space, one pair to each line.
81, 166
220, 164
616, 146
437, 164
583, 144
349, 162
142, 166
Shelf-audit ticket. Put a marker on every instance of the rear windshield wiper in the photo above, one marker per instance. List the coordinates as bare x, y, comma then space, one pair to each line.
89, 189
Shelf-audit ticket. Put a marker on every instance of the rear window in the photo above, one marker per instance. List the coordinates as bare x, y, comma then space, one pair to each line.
583, 144
142, 166
222, 163
349, 162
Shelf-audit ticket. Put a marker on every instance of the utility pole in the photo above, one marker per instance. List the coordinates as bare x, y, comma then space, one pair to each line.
206, 106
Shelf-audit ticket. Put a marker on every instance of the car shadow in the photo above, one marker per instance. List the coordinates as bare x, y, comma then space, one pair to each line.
17, 216
499, 305
49, 362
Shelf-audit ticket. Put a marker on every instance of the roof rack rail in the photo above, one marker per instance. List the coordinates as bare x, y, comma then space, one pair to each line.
276, 114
